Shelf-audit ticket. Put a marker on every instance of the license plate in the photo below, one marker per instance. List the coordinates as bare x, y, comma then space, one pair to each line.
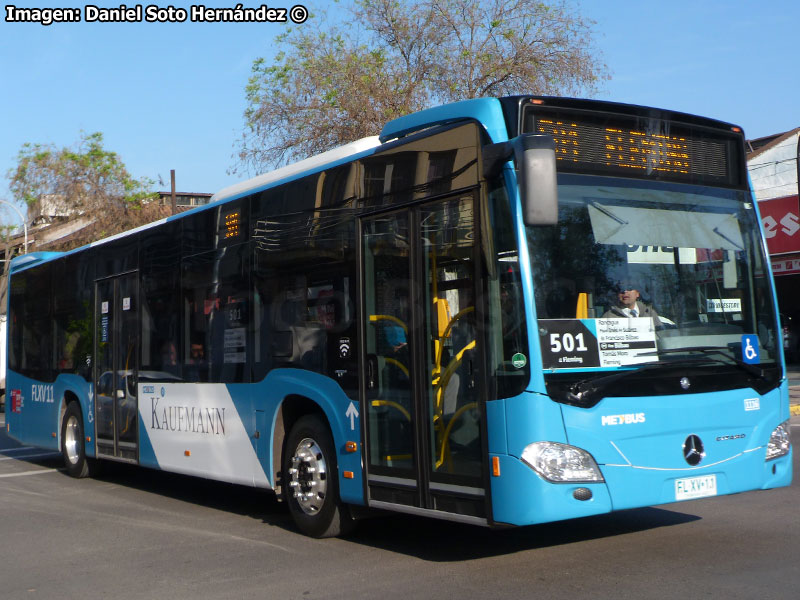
695, 487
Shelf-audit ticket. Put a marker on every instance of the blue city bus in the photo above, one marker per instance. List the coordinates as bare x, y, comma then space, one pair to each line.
498, 312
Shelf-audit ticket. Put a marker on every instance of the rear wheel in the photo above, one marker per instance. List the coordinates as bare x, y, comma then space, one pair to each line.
73, 443
311, 484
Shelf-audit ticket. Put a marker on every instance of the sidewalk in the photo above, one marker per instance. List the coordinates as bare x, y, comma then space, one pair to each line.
793, 373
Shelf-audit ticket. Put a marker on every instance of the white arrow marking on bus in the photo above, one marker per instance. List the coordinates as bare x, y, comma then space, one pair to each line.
352, 412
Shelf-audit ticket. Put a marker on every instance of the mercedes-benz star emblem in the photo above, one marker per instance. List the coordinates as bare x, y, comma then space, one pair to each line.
693, 451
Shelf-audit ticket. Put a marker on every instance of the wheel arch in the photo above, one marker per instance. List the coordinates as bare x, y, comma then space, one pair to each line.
68, 397
69, 389
301, 393
292, 408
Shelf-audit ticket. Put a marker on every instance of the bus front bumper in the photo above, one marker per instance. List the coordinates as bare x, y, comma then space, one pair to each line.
521, 497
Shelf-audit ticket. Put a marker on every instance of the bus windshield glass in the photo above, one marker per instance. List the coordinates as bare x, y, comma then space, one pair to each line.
638, 273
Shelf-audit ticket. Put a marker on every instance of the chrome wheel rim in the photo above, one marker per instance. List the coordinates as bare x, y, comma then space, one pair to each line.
309, 476
71, 432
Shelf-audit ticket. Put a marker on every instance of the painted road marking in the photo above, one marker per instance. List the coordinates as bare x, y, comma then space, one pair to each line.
24, 473
27, 456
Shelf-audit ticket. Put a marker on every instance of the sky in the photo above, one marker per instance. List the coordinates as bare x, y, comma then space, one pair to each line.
172, 95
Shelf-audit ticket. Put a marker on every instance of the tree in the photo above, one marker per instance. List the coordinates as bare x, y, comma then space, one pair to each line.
87, 183
5, 242
333, 83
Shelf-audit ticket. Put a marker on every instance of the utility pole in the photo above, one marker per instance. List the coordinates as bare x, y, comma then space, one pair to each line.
24, 223
174, 200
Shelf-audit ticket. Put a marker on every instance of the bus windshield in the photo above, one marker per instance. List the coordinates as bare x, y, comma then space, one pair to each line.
640, 272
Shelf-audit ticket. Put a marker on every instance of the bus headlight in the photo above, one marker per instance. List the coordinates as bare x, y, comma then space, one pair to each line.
780, 441
561, 463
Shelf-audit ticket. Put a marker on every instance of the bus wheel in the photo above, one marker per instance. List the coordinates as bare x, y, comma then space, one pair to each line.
73, 443
311, 485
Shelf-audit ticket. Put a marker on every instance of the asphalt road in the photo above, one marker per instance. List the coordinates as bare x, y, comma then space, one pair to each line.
142, 534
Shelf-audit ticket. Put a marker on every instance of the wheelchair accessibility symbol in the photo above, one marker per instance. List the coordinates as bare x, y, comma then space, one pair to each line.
750, 352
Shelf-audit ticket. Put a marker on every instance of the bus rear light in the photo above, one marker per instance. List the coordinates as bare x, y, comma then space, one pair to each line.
561, 463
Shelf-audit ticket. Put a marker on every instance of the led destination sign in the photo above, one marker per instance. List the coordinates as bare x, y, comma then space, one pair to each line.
640, 147
232, 225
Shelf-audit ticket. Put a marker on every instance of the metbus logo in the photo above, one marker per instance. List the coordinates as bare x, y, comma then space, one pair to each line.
627, 419
16, 401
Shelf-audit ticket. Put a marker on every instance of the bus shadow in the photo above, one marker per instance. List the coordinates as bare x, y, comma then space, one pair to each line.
419, 537
257, 504
443, 541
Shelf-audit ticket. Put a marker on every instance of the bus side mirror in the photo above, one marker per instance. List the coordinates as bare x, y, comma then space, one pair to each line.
535, 159
535, 156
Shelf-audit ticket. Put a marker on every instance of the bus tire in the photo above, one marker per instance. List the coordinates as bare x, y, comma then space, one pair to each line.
311, 485
73, 443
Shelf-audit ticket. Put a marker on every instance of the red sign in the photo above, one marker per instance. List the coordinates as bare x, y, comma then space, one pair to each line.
781, 221
16, 401
785, 265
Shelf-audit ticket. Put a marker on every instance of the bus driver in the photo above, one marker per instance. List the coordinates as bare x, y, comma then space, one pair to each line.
629, 304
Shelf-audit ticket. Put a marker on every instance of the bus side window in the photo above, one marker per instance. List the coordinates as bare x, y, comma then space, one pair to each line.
216, 301
160, 322
36, 358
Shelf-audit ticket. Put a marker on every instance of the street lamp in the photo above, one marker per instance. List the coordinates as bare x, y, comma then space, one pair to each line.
24, 224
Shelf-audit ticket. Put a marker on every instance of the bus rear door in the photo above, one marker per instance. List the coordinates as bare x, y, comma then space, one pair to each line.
116, 366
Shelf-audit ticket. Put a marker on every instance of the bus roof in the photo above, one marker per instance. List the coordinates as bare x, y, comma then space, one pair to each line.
499, 116
304, 167
23, 261
307, 166
486, 110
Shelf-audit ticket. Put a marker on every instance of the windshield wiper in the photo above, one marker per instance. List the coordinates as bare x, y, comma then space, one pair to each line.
727, 239
582, 391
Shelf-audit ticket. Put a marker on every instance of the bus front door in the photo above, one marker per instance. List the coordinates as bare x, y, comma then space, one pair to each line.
116, 367
422, 383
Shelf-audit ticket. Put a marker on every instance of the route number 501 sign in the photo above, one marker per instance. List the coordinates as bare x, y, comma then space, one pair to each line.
567, 342
586, 343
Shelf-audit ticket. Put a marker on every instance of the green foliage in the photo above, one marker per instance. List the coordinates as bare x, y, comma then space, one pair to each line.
76, 176
330, 84
82, 182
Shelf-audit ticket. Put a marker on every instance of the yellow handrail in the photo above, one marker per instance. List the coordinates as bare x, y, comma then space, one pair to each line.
397, 363
446, 436
441, 383
446, 333
392, 404
376, 318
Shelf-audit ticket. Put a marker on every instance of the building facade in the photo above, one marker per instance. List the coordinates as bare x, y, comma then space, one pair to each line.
773, 163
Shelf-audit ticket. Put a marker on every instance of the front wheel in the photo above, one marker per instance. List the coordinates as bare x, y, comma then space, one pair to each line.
73, 443
311, 484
